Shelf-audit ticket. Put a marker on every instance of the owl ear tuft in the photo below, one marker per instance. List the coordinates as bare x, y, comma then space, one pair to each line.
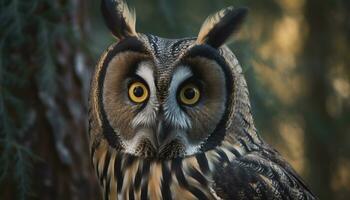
119, 18
219, 27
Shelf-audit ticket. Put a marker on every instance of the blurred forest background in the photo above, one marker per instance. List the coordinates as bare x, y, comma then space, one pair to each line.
295, 55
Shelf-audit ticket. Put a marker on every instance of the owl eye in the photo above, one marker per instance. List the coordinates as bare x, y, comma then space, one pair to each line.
189, 94
138, 92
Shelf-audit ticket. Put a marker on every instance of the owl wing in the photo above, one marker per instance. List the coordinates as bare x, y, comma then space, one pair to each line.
259, 175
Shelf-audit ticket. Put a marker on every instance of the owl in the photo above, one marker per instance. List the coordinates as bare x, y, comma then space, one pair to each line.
171, 118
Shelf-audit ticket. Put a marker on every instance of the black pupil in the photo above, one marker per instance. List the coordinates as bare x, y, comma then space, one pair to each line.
189, 93
138, 91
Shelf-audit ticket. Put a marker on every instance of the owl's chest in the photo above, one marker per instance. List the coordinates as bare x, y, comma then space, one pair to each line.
126, 177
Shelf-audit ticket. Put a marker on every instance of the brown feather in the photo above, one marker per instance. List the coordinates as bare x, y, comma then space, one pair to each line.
119, 18
217, 28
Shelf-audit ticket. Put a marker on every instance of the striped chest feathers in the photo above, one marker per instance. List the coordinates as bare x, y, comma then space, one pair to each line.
123, 176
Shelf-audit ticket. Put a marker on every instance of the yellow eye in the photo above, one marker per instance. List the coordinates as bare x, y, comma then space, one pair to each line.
138, 92
189, 94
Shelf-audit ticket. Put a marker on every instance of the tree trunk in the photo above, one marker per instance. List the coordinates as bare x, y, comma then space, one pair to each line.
44, 148
325, 137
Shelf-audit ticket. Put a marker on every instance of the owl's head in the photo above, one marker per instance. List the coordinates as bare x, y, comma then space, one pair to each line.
165, 98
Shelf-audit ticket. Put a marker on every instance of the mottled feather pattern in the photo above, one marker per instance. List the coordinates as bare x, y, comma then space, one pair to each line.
231, 162
227, 172
119, 172
242, 166
254, 176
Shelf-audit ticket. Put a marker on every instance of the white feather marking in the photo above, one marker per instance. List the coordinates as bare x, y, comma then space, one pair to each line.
147, 117
212, 191
213, 158
172, 111
145, 71
190, 148
131, 145
229, 154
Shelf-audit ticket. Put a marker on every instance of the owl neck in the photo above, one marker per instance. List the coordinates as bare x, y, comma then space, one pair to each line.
239, 126
119, 172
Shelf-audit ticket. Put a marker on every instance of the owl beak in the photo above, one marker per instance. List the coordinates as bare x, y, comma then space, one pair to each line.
162, 132
159, 133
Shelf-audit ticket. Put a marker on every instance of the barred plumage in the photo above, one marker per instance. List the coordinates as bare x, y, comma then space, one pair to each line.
155, 142
202, 176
